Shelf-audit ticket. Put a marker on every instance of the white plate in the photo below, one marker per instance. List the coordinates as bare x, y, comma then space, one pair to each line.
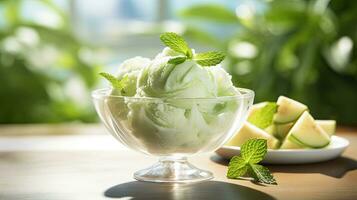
295, 156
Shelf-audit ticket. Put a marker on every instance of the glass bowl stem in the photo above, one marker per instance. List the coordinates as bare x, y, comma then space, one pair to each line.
173, 169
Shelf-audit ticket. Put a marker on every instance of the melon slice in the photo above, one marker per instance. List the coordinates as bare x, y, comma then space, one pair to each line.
329, 126
289, 110
263, 117
282, 130
270, 130
249, 131
306, 133
256, 107
288, 144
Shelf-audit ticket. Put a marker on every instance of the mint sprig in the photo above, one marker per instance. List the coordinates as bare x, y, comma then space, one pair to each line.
252, 152
211, 58
116, 83
261, 174
178, 44
237, 167
263, 117
177, 60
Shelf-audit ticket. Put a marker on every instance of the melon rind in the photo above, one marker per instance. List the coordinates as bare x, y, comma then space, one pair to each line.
307, 133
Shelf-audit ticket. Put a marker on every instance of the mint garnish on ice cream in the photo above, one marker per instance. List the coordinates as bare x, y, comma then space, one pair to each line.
178, 44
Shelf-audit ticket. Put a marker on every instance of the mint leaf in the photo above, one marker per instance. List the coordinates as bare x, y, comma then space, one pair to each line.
211, 58
176, 43
177, 60
254, 150
263, 117
261, 174
237, 167
116, 83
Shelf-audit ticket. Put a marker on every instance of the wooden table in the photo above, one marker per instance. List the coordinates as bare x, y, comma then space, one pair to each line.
90, 165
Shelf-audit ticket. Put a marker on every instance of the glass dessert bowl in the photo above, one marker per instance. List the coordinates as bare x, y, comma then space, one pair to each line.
172, 129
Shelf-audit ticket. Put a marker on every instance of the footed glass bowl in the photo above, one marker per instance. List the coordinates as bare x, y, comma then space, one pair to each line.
172, 129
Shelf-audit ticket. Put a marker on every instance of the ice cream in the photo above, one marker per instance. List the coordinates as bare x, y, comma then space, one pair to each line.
187, 79
131, 69
173, 107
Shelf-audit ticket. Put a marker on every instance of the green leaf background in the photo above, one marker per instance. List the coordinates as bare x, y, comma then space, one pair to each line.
32, 94
294, 42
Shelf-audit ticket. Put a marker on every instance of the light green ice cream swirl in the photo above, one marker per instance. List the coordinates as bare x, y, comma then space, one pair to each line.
168, 124
129, 69
188, 79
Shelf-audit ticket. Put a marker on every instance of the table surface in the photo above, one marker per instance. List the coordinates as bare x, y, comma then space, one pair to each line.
84, 162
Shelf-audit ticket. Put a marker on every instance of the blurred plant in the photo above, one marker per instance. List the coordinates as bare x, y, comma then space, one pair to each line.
44, 75
300, 48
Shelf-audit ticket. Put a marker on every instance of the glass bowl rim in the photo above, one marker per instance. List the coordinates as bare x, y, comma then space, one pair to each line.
102, 92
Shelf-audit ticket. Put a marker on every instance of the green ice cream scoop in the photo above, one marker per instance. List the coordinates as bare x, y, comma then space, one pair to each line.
179, 120
175, 105
178, 104
127, 73
188, 79
131, 69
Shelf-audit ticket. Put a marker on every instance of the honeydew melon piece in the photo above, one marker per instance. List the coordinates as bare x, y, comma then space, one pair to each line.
306, 134
288, 144
249, 131
256, 107
329, 126
281, 130
270, 129
289, 110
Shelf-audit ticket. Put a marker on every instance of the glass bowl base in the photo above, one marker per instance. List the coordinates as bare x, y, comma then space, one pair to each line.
169, 170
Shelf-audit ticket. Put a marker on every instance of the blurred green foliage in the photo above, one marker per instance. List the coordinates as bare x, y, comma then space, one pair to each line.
304, 49
42, 72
